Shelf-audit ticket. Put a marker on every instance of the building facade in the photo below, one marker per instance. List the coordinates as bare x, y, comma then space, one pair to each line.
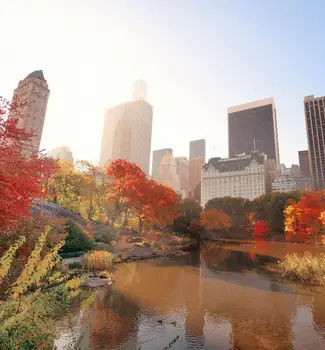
315, 125
253, 126
61, 153
157, 156
304, 183
284, 183
30, 98
197, 149
182, 170
168, 173
304, 163
197, 160
242, 176
127, 134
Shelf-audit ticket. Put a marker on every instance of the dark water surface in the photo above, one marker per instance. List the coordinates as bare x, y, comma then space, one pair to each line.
219, 297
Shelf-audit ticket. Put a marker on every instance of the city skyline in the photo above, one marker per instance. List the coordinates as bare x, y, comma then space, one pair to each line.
98, 74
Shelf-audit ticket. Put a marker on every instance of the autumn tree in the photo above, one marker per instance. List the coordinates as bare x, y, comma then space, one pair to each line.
215, 220
188, 221
131, 191
21, 176
303, 219
259, 229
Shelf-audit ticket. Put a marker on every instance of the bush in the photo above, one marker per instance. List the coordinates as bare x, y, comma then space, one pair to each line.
97, 260
76, 240
306, 269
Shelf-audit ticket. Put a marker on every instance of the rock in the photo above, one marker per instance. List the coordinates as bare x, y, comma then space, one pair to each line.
96, 282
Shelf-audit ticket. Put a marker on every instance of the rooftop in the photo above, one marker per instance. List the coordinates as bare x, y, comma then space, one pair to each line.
254, 104
36, 74
235, 164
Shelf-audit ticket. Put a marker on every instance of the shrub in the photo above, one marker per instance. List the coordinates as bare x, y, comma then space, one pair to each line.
75, 265
76, 240
97, 260
305, 269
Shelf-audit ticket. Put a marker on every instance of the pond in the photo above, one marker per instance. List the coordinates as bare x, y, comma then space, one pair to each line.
218, 297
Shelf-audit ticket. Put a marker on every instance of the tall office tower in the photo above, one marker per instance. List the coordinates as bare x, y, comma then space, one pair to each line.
304, 163
182, 171
140, 90
157, 156
127, 134
197, 149
31, 98
253, 127
315, 125
197, 160
62, 153
168, 172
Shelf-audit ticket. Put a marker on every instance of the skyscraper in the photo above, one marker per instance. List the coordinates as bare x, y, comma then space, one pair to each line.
157, 156
197, 160
31, 98
253, 127
182, 164
315, 125
127, 134
197, 149
168, 172
140, 90
304, 163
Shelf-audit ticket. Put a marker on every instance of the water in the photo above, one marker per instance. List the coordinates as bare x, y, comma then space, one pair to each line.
219, 297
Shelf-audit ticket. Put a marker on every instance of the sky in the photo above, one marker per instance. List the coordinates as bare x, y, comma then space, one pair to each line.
197, 57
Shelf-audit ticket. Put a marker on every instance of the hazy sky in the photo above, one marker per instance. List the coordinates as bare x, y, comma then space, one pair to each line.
197, 57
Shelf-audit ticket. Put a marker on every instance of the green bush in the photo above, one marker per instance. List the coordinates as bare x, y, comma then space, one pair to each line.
76, 240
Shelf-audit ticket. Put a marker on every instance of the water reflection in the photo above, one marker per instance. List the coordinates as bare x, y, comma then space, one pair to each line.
216, 298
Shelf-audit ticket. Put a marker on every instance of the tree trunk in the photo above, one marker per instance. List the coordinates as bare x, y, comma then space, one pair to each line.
125, 218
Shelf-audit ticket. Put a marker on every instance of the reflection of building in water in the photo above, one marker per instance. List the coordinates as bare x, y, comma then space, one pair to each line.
260, 317
194, 322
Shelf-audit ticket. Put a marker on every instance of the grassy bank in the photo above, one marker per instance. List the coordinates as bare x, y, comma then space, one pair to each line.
307, 269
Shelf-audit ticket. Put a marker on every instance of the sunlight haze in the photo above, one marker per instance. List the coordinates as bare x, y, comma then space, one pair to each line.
197, 57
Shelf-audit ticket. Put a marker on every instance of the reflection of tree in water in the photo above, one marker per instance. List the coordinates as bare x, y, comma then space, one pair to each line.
258, 308
111, 321
219, 258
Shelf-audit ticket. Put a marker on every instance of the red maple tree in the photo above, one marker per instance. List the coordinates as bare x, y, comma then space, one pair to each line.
259, 229
21, 176
131, 190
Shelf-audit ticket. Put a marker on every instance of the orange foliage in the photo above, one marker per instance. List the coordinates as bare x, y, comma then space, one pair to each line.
305, 220
214, 220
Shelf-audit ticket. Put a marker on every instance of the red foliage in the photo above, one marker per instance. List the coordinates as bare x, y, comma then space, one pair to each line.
21, 176
260, 228
149, 200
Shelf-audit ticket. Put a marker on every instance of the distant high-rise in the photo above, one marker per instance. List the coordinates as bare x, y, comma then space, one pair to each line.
197, 149
127, 134
183, 174
30, 98
253, 127
197, 160
304, 163
168, 172
315, 125
157, 156
61, 153
140, 90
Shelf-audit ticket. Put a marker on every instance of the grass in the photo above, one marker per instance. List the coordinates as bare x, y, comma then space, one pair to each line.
307, 269
99, 260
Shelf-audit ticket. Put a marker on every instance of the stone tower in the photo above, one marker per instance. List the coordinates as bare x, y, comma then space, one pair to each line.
30, 98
